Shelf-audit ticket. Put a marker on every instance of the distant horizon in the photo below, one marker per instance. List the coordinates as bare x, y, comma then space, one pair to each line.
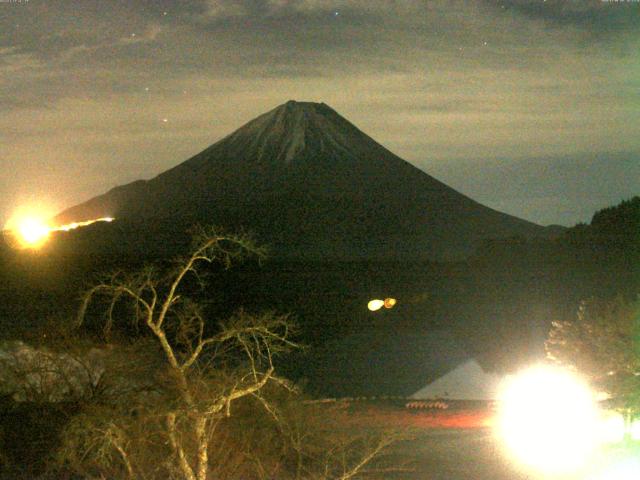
494, 172
527, 107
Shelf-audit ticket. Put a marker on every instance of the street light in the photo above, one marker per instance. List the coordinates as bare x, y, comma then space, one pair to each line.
634, 429
376, 304
549, 420
625, 469
27, 230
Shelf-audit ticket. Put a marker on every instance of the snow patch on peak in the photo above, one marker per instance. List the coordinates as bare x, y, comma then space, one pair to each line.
289, 129
295, 142
292, 121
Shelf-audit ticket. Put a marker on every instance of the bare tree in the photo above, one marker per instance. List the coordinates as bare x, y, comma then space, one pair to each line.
209, 373
195, 401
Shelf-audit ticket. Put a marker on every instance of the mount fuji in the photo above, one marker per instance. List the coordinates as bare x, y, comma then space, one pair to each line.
310, 184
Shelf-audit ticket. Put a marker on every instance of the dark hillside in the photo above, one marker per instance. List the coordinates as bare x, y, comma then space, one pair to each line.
516, 287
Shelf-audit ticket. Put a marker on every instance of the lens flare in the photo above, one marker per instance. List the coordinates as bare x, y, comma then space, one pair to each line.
634, 430
549, 420
32, 231
626, 469
375, 304
612, 428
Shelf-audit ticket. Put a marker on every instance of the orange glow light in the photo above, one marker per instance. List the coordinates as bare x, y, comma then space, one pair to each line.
74, 225
31, 231
389, 302
376, 304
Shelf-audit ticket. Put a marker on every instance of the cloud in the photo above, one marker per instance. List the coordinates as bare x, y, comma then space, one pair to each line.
310, 6
437, 82
561, 189
223, 9
597, 16
150, 34
13, 61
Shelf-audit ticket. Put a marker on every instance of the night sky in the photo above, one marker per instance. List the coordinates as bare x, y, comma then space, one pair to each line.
530, 107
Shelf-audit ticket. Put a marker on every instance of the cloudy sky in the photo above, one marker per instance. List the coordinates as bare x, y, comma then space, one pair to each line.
529, 106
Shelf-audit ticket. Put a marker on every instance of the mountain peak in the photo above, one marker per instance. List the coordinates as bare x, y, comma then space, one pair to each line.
311, 184
301, 105
286, 132
298, 110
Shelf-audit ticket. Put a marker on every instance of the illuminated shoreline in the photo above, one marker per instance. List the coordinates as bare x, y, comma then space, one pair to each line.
33, 233
74, 225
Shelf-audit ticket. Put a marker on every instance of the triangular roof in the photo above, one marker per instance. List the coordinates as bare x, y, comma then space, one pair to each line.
468, 381
385, 361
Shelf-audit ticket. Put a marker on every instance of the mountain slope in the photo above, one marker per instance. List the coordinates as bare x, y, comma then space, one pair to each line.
311, 184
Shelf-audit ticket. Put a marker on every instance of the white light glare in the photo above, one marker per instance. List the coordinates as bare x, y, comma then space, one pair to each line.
377, 304
627, 469
611, 428
549, 420
634, 430
374, 305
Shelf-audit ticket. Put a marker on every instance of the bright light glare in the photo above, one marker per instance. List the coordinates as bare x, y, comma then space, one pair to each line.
549, 420
389, 302
628, 469
374, 305
74, 225
611, 428
32, 232
634, 430
377, 304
